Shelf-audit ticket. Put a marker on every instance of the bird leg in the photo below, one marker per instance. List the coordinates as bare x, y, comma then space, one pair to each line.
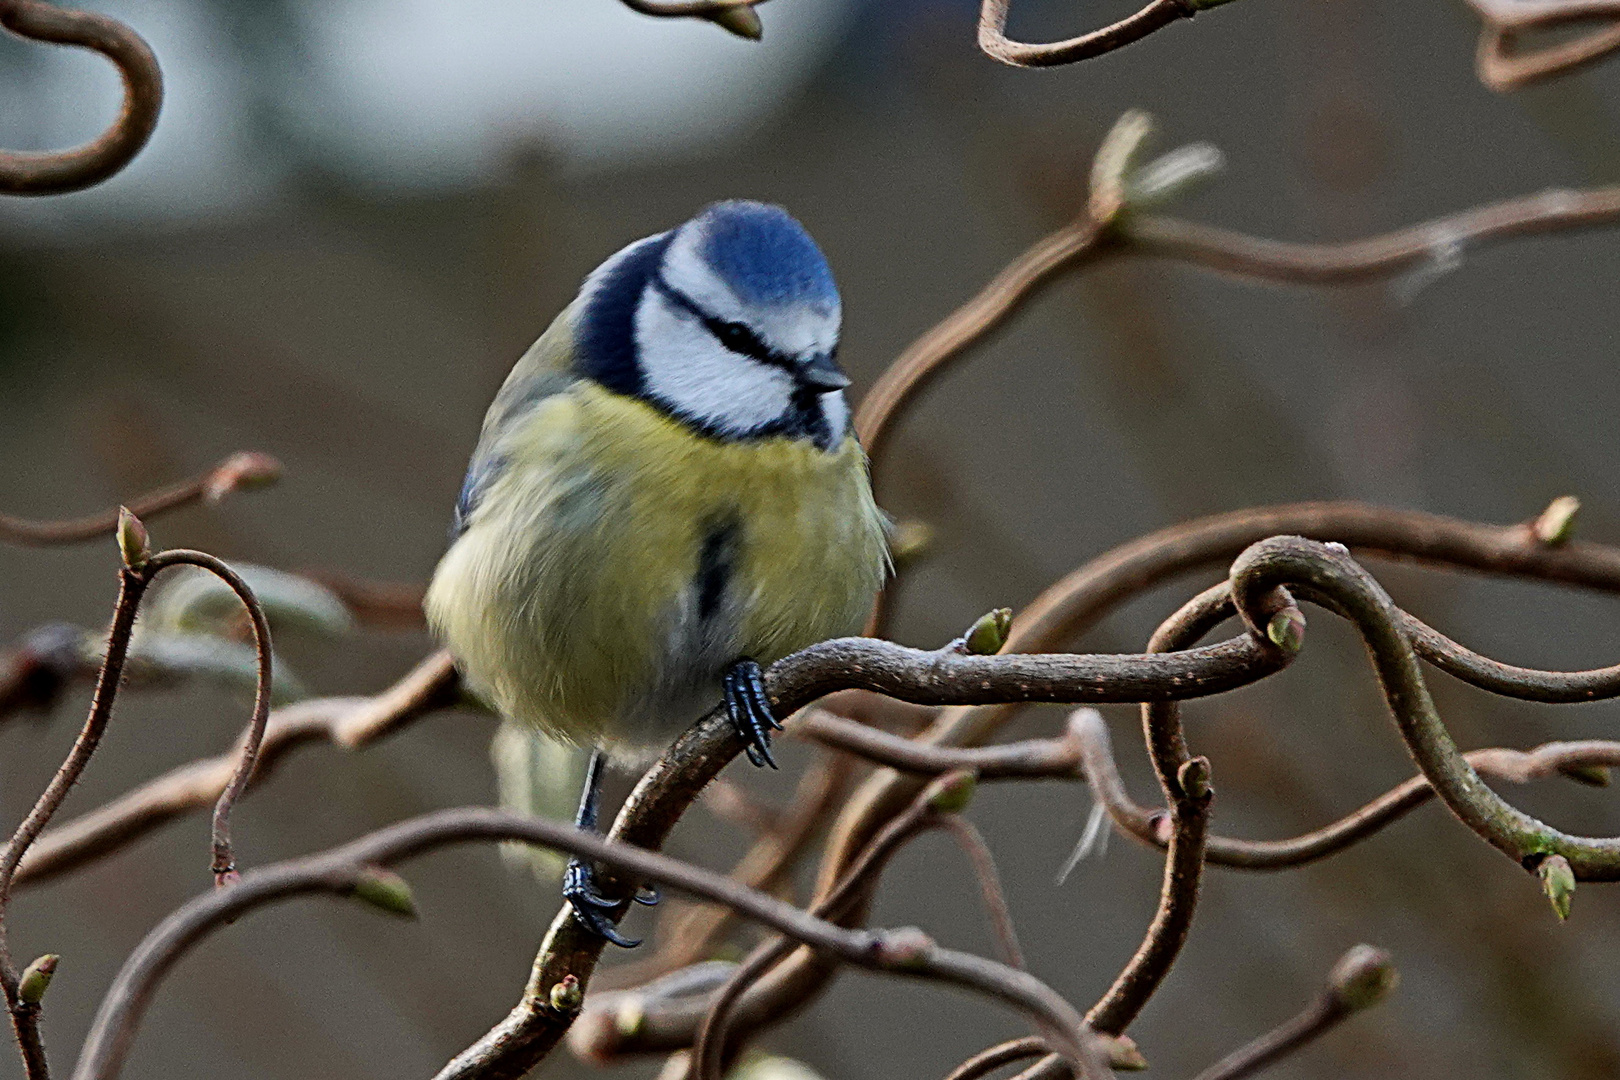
749, 707
579, 880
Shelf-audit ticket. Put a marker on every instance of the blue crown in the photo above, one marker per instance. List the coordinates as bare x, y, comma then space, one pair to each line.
764, 255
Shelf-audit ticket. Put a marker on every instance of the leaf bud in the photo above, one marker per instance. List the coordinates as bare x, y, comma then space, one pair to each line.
986, 636
386, 891
952, 792
1286, 629
134, 543
36, 979
566, 996
1363, 977
1557, 523
1558, 882
906, 947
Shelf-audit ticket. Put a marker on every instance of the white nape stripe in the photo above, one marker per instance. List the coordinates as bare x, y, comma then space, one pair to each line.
836, 411
691, 373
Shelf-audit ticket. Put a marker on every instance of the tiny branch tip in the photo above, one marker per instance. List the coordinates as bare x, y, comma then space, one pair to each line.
36, 979
741, 20
248, 469
1558, 882
1556, 524
386, 891
134, 543
1363, 977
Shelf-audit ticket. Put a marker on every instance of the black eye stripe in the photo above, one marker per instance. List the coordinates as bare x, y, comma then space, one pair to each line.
735, 336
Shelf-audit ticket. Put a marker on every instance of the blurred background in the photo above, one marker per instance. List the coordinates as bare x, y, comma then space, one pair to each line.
355, 214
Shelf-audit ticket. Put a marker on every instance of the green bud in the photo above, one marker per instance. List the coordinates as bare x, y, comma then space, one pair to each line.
1286, 630
134, 544
989, 634
1123, 1054
566, 996
385, 890
953, 791
1558, 882
1557, 523
1193, 776
1595, 775
741, 20
36, 979
1363, 977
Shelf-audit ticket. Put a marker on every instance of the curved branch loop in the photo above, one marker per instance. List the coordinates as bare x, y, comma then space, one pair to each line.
57, 172
994, 42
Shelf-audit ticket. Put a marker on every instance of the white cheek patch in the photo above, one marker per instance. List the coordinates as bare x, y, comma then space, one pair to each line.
684, 367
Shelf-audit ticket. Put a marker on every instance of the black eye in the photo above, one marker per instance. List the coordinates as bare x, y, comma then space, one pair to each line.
736, 337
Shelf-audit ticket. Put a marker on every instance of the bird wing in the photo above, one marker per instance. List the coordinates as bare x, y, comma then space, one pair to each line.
542, 372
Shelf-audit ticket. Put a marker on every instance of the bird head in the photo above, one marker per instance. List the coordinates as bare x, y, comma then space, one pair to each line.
728, 323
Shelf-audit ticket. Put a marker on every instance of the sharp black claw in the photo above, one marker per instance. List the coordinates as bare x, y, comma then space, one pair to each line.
749, 708
648, 896
591, 907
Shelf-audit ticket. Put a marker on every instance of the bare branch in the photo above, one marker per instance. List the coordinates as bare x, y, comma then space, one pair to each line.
1570, 760
244, 470
350, 723
1332, 578
902, 952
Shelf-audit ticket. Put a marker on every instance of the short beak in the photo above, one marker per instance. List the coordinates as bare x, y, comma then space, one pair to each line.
820, 373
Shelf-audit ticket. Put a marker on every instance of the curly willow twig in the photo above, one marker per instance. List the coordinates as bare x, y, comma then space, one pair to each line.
56, 172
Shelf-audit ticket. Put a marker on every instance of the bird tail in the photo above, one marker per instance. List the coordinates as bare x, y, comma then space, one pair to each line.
540, 776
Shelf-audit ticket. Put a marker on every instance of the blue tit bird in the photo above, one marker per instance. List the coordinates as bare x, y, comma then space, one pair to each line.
665, 496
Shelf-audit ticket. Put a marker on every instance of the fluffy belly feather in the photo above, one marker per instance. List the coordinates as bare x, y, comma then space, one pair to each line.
620, 563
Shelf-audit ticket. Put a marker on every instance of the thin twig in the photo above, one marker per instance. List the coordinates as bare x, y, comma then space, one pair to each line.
1569, 760
1158, 14
687, 935
244, 470
1363, 977
983, 862
988, 1061
350, 723
341, 870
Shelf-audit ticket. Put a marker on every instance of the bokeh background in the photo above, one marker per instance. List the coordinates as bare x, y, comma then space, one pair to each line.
355, 214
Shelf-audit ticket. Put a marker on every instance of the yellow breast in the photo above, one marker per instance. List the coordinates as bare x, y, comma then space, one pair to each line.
622, 561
